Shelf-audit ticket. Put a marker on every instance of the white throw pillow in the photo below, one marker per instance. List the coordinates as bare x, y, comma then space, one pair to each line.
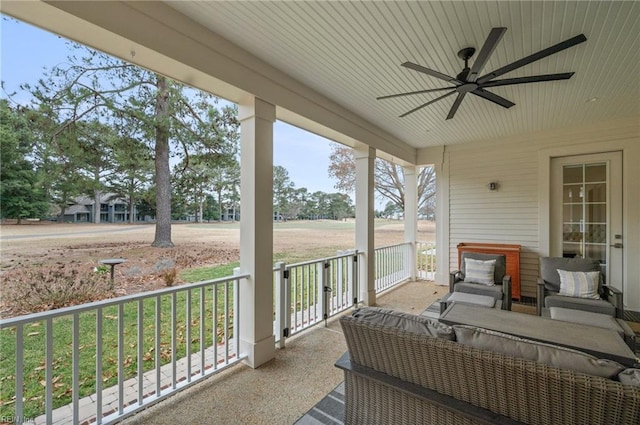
579, 284
479, 271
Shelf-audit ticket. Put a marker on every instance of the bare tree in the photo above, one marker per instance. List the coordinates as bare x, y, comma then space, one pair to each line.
389, 178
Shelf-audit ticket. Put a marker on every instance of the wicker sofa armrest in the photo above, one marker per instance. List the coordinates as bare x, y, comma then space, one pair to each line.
420, 397
615, 297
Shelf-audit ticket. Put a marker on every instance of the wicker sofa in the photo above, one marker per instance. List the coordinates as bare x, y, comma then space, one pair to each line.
406, 369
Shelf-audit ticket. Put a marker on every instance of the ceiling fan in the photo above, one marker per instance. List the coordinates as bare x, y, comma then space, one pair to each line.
469, 81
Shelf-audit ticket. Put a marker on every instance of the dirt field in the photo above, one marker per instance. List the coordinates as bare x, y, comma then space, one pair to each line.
82, 246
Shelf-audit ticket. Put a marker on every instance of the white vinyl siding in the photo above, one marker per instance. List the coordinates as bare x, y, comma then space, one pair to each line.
510, 214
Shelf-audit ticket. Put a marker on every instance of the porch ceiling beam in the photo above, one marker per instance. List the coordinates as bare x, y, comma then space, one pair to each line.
169, 43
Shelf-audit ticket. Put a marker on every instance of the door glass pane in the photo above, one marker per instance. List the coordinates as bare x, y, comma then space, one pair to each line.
584, 213
597, 252
596, 213
571, 192
595, 173
572, 174
596, 192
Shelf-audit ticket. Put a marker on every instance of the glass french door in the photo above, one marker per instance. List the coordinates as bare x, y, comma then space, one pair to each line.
586, 210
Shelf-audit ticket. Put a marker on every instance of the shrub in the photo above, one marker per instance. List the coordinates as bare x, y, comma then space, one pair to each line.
50, 287
169, 276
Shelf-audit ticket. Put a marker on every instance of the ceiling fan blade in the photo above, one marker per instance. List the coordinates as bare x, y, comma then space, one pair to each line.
431, 72
532, 58
532, 79
487, 49
456, 105
426, 104
493, 97
413, 92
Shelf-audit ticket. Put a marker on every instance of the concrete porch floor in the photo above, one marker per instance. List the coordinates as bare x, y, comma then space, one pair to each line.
287, 387
283, 390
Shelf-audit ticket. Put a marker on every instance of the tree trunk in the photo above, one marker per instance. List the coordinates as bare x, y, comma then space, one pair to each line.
200, 209
63, 209
96, 206
163, 178
132, 204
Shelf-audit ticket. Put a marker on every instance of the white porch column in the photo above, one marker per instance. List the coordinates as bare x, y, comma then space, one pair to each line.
411, 214
442, 219
365, 166
256, 231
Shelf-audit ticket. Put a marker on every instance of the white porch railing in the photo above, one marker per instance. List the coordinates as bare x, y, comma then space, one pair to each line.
426, 260
309, 292
392, 265
154, 344
155, 326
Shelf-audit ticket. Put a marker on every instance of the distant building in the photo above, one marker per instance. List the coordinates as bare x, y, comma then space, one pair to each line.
113, 209
230, 214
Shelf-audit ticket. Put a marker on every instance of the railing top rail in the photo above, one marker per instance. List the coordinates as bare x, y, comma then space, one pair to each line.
7, 323
392, 246
350, 253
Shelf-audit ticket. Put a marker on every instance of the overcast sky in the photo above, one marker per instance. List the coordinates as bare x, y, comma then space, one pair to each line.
27, 50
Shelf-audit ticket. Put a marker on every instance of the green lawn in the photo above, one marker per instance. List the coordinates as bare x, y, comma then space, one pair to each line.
34, 339
34, 343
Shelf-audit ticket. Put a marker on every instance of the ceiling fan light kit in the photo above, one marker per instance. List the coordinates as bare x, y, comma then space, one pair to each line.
469, 81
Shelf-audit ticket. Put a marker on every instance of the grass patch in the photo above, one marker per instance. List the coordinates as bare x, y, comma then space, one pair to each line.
199, 274
207, 273
35, 334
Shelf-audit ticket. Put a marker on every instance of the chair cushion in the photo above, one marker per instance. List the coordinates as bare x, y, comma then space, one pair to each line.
479, 271
473, 288
579, 284
550, 265
466, 298
500, 268
584, 304
552, 355
409, 322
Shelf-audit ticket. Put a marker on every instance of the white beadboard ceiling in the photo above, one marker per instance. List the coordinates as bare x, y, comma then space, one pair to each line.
351, 52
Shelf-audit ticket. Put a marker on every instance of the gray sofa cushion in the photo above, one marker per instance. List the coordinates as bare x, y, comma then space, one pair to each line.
550, 265
499, 271
552, 355
584, 304
409, 322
